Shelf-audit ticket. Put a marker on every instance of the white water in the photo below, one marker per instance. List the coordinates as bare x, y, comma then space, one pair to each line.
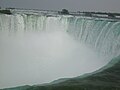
38, 49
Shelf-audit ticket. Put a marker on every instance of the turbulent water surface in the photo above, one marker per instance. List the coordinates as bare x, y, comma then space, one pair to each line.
36, 49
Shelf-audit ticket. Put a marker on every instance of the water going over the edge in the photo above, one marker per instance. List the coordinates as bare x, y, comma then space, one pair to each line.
35, 49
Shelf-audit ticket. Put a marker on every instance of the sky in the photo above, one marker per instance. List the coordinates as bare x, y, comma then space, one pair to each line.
71, 5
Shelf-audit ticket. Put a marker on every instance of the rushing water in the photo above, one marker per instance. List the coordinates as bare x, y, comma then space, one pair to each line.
36, 49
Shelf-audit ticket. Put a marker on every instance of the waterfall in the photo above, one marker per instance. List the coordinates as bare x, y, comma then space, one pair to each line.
102, 35
63, 46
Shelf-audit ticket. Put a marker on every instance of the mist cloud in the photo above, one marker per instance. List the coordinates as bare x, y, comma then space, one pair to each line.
35, 58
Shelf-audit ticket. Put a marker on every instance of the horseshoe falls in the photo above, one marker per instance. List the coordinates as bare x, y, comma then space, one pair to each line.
38, 48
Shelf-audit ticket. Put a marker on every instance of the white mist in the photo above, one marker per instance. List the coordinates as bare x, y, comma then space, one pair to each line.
35, 58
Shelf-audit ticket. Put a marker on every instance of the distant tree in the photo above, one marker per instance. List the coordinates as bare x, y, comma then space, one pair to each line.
78, 12
64, 11
111, 15
59, 12
88, 14
5, 11
10, 8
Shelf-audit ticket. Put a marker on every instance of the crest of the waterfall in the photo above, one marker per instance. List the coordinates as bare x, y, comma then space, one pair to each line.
40, 48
